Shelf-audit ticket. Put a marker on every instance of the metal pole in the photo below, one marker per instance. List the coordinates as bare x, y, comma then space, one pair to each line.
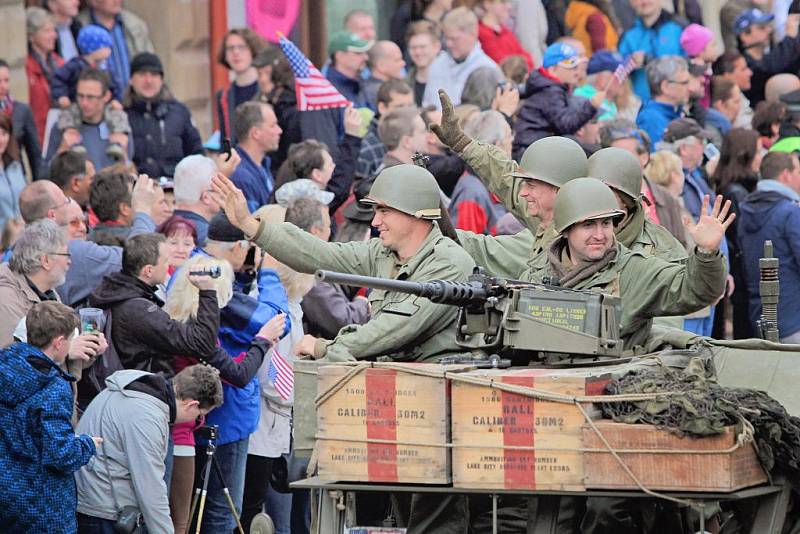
494, 513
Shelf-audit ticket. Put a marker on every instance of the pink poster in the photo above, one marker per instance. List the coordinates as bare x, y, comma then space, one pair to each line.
267, 17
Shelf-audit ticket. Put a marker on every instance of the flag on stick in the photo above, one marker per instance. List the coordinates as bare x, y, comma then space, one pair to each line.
313, 90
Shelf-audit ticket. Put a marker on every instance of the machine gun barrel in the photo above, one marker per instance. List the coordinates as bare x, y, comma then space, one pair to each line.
439, 291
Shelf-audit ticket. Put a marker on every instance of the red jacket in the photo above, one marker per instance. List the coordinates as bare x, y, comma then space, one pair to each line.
39, 90
498, 45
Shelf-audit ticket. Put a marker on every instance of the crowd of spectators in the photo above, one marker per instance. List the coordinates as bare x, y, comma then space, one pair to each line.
107, 201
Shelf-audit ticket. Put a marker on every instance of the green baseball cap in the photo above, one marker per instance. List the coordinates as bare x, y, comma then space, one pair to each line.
347, 42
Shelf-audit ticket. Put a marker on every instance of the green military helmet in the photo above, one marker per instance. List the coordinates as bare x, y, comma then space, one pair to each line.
554, 160
584, 199
619, 169
407, 188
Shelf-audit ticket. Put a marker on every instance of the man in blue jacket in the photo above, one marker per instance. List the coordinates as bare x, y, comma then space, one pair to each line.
668, 78
348, 57
654, 34
772, 212
258, 134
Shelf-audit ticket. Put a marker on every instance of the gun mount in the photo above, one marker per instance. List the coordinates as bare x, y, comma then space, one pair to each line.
769, 289
514, 318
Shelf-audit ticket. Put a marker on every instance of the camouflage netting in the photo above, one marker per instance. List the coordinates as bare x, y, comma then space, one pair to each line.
704, 408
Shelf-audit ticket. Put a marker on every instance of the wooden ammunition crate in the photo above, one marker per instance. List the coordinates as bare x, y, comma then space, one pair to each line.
385, 425
503, 440
705, 464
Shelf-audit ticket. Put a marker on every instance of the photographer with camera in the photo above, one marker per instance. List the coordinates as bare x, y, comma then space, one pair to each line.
144, 335
124, 486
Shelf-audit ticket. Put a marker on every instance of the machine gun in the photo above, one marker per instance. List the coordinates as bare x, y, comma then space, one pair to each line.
513, 318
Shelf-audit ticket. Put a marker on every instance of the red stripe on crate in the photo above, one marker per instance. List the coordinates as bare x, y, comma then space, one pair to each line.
519, 466
381, 424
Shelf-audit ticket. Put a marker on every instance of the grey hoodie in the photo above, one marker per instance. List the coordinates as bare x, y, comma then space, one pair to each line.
134, 426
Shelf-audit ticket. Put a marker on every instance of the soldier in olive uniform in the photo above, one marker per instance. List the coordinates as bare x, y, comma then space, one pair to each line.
403, 327
410, 247
588, 256
528, 190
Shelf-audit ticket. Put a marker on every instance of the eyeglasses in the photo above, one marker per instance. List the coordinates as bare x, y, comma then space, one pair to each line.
66, 202
82, 96
239, 47
65, 254
676, 82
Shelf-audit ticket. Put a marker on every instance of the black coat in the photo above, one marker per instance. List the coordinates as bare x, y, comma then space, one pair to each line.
27, 138
548, 109
144, 335
163, 134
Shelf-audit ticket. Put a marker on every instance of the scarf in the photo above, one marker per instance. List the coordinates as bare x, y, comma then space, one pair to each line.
569, 275
633, 228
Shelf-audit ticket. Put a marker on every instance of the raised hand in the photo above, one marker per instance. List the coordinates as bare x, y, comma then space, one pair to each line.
450, 132
709, 231
227, 167
145, 196
234, 204
506, 99
352, 121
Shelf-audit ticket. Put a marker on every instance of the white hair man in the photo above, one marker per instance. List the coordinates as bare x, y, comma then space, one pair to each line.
194, 198
38, 265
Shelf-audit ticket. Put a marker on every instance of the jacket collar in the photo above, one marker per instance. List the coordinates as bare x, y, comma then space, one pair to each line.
337, 78
662, 18
19, 282
777, 187
426, 249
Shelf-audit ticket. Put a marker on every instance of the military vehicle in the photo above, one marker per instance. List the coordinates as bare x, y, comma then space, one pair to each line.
506, 322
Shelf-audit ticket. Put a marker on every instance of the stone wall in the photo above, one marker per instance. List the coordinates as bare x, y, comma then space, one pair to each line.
13, 44
180, 32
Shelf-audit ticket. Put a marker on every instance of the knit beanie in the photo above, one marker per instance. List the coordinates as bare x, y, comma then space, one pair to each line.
93, 37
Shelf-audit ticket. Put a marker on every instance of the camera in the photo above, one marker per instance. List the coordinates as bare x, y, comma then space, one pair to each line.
208, 433
250, 259
128, 520
214, 272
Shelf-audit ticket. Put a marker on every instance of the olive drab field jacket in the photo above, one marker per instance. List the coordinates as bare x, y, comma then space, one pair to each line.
518, 256
402, 326
652, 287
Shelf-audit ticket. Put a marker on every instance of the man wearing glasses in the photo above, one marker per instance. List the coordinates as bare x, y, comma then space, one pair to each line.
38, 265
668, 78
103, 135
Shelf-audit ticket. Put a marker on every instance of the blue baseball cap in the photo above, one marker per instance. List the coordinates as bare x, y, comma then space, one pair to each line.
93, 37
561, 54
604, 60
748, 17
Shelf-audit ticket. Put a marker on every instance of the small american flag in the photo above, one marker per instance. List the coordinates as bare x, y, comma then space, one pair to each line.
624, 70
313, 90
281, 375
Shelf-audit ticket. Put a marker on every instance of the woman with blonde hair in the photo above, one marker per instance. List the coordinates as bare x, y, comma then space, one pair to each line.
182, 303
666, 169
272, 438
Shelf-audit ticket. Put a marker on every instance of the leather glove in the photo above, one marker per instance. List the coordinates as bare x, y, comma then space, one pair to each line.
450, 133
